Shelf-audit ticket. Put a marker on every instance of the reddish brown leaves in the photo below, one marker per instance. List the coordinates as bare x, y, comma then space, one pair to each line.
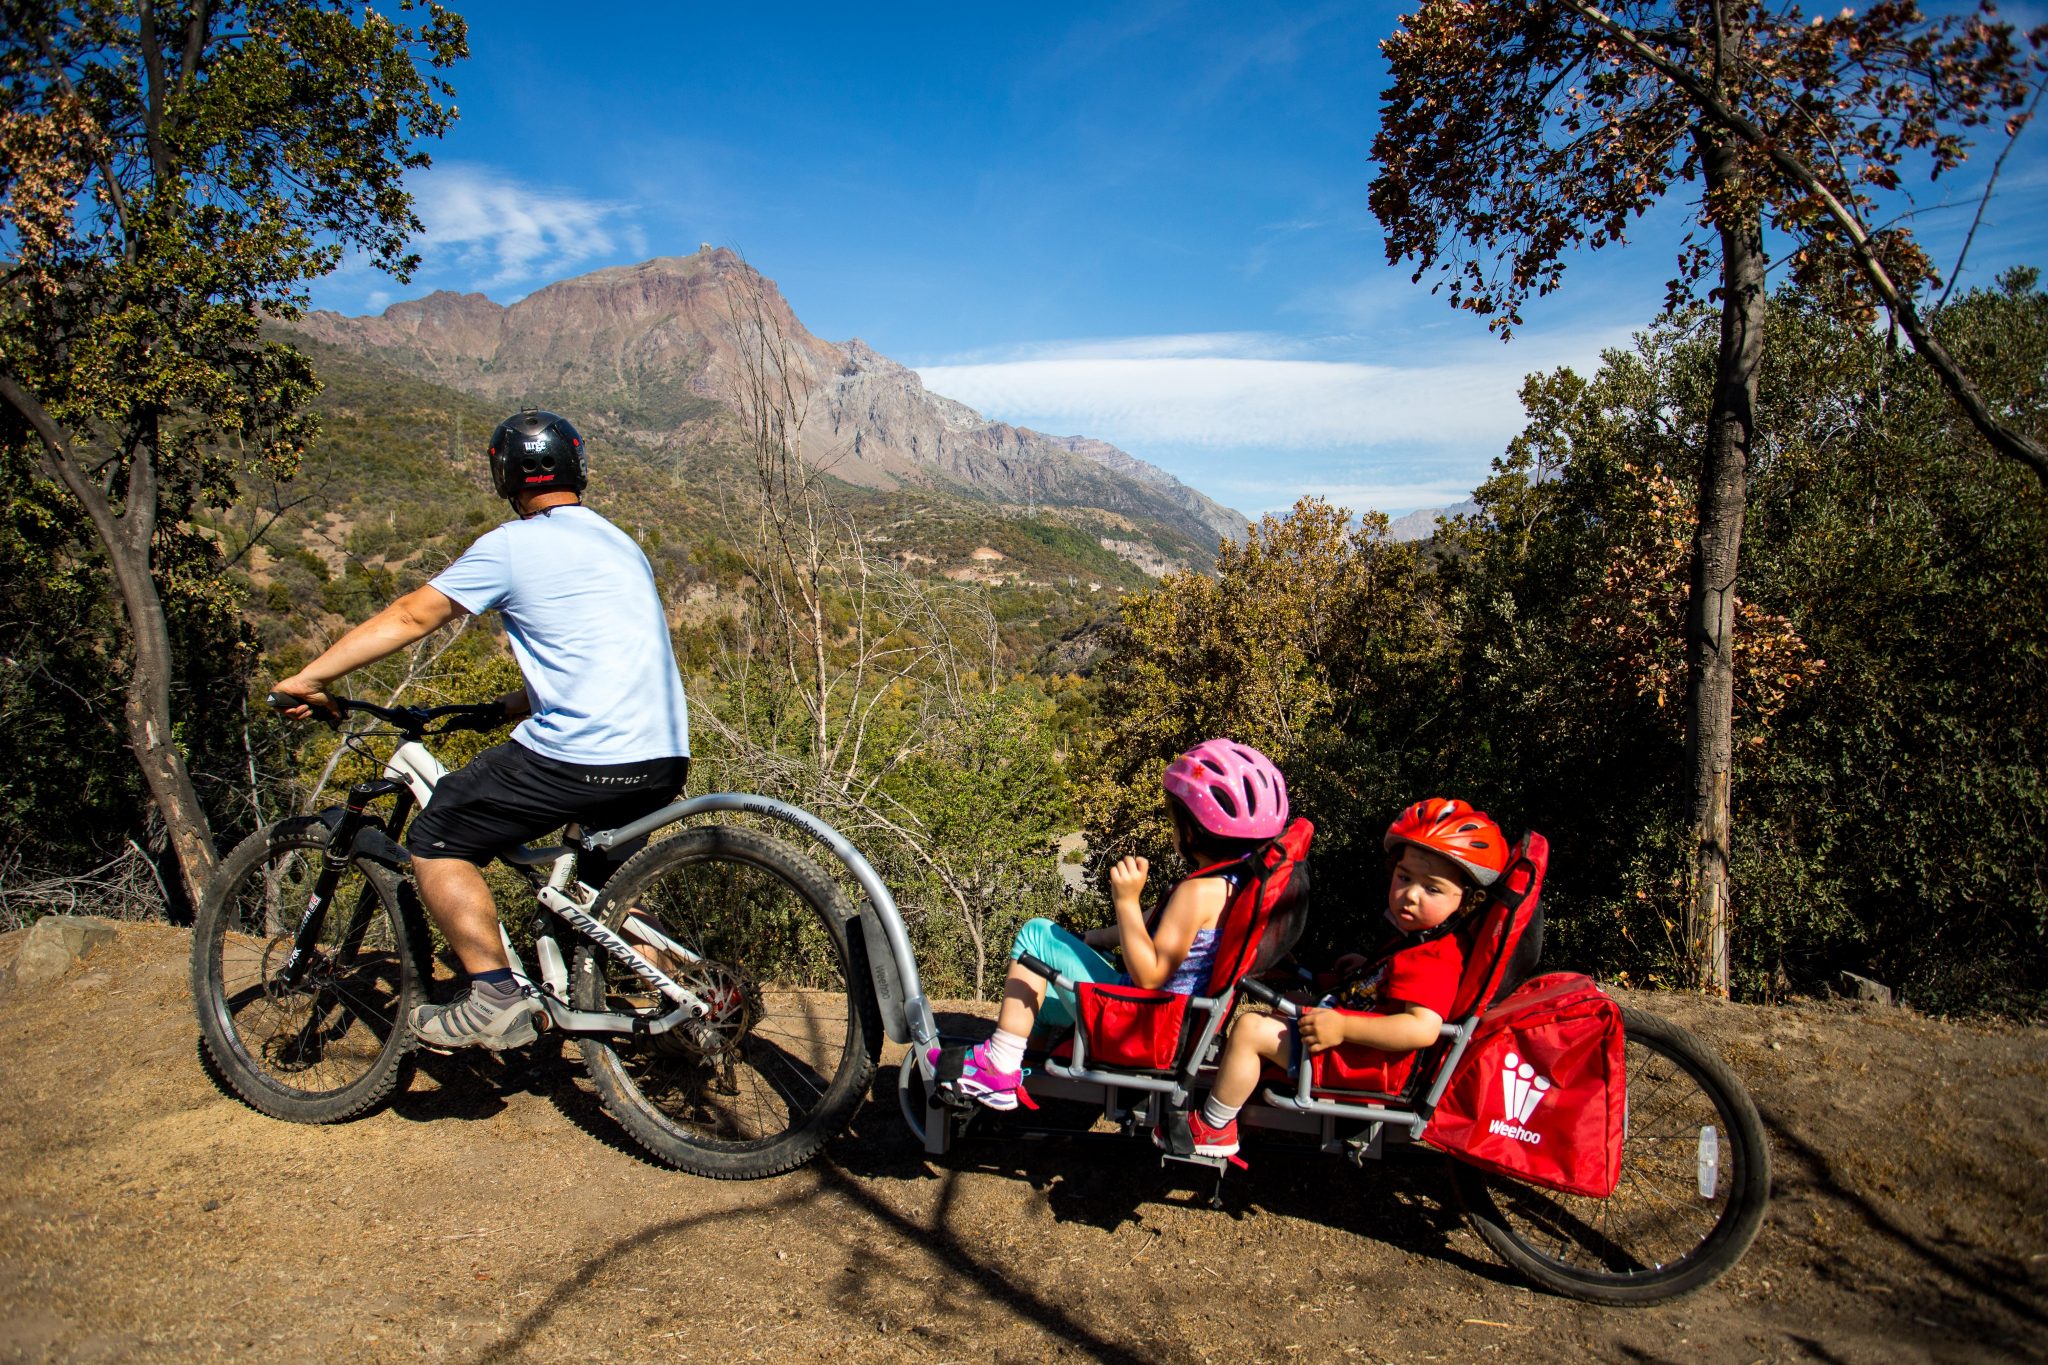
1514, 132
1638, 619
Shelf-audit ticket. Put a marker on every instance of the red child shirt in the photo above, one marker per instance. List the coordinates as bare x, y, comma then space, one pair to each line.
1424, 974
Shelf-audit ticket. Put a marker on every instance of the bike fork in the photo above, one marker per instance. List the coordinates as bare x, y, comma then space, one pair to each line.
334, 860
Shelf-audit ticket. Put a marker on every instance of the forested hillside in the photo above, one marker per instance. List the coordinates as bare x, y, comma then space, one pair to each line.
994, 677
1892, 689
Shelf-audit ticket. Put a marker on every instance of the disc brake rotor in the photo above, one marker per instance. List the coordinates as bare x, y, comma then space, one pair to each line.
275, 954
735, 1007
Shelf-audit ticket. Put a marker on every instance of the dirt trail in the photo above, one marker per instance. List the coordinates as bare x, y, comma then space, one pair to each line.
491, 1214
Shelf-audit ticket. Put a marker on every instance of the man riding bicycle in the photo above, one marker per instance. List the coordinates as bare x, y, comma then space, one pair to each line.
606, 735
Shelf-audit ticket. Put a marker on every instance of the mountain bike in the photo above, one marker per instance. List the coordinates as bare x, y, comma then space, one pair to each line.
726, 994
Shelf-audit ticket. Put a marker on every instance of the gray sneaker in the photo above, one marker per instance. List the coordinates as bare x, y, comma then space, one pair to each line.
470, 1021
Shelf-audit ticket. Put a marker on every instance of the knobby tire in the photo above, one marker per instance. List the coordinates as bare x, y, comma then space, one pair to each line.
790, 1054
336, 1045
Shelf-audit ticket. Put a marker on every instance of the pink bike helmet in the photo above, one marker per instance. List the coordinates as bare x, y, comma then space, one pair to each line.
1232, 790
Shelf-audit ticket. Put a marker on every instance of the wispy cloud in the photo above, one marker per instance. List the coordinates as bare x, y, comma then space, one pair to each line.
1256, 419
1171, 346
1394, 498
1192, 391
500, 231
1231, 401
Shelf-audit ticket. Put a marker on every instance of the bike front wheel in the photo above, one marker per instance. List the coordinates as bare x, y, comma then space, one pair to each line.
759, 932
334, 1043
1695, 1179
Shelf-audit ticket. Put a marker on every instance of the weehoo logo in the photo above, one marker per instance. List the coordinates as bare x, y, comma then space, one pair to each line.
1521, 1090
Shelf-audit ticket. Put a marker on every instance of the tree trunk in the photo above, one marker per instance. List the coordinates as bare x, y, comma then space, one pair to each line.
127, 538
147, 710
1717, 548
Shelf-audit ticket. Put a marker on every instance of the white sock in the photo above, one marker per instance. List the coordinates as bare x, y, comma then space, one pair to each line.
1006, 1051
1217, 1114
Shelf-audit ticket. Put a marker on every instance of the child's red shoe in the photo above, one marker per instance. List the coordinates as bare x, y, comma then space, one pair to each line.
1213, 1141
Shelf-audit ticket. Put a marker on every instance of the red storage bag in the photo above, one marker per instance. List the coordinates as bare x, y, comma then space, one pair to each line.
1130, 1026
1540, 1094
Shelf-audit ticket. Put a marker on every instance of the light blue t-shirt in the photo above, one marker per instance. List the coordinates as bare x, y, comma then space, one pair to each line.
578, 599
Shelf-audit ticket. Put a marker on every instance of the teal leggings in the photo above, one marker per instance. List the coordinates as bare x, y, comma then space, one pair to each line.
1064, 952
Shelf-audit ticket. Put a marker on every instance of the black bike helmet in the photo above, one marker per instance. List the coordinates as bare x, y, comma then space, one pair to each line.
537, 452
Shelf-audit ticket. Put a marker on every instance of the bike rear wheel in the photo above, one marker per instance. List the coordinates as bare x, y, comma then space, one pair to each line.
335, 1044
1695, 1179
784, 1060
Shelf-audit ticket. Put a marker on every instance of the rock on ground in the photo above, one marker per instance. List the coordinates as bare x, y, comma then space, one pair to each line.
54, 942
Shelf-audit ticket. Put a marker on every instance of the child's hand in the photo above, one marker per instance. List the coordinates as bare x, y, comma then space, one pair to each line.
1127, 879
1321, 1030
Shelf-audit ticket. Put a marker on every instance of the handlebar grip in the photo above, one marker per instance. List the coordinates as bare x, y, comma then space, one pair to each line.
284, 701
1052, 974
1270, 997
1259, 991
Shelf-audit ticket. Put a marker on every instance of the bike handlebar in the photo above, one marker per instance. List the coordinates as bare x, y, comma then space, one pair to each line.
412, 721
1270, 997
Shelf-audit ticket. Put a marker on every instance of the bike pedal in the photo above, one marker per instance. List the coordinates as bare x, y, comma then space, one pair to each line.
954, 1100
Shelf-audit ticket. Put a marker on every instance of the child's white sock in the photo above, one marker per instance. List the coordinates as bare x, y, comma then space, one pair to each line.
1006, 1051
1216, 1114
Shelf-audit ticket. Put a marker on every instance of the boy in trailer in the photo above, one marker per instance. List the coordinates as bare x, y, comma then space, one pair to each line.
1365, 1033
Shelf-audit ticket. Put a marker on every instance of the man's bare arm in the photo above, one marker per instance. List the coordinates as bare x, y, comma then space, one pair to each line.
410, 619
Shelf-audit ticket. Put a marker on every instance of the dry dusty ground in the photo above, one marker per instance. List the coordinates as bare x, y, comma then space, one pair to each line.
491, 1215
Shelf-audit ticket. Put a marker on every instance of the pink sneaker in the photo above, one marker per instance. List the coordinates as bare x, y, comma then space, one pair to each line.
981, 1082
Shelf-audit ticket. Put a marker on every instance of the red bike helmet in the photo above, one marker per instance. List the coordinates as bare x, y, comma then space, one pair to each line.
1454, 830
1232, 790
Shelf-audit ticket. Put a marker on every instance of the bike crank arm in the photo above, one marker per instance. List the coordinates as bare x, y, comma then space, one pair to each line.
574, 1022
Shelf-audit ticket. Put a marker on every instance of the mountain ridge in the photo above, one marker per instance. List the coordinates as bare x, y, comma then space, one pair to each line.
652, 349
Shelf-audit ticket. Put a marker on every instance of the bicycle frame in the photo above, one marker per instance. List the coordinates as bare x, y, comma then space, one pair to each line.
411, 774
892, 967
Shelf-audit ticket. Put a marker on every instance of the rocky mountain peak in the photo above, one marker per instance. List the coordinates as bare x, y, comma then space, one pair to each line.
651, 349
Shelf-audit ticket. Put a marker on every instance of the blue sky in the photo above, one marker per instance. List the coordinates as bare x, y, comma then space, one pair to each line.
1140, 222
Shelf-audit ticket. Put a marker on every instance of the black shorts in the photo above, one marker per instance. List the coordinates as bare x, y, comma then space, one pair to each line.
510, 795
